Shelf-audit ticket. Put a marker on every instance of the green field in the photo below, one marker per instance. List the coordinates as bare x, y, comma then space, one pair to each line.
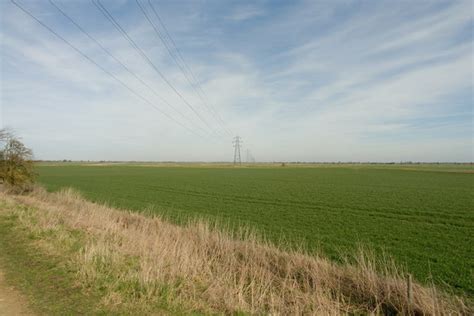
421, 216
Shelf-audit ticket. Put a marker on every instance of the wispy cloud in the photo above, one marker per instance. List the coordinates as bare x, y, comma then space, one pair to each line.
246, 12
305, 81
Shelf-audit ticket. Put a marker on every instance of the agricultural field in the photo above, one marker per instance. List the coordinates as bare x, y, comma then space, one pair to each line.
422, 216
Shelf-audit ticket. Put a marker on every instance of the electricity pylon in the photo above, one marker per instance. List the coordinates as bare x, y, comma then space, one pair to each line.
250, 158
237, 142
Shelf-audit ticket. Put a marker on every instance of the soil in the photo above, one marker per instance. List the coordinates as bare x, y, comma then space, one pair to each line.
11, 301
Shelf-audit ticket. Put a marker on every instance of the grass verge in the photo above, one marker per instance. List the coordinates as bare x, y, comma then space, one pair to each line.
42, 262
72, 256
48, 283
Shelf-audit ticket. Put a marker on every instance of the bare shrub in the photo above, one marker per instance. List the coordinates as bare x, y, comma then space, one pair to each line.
16, 165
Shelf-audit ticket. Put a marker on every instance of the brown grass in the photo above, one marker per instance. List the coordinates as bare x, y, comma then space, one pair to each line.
140, 259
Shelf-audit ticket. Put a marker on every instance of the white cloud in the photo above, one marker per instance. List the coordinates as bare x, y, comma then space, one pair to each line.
351, 92
246, 12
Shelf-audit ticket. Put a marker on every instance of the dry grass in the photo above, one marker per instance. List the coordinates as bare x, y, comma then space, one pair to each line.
144, 260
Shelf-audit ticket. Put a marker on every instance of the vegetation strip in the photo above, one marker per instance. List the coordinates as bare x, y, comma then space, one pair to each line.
423, 219
47, 282
143, 264
43, 259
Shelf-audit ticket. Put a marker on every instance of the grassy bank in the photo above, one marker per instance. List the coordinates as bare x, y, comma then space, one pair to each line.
421, 215
34, 263
120, 261
43, 257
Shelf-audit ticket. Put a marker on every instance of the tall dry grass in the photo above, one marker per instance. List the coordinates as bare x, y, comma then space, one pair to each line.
140, 259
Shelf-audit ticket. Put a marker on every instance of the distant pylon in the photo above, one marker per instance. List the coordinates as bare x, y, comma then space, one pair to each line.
237, 142
250, 158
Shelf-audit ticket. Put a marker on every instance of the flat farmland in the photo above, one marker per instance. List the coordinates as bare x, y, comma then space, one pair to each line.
422, 217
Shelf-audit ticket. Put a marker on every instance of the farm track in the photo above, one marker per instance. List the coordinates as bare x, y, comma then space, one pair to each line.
12, 302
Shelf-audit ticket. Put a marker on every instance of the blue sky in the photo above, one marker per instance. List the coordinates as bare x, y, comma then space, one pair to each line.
297, 80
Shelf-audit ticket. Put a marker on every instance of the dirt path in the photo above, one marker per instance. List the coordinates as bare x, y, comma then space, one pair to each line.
11, 301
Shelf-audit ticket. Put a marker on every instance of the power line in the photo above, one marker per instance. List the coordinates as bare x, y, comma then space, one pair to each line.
170, 38
121, 63
100, 67
124, 33
197, 83
177, 62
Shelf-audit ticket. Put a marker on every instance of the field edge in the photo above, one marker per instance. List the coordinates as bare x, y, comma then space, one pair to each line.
112, 257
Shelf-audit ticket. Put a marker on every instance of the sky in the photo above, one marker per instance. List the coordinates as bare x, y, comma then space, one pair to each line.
296, 80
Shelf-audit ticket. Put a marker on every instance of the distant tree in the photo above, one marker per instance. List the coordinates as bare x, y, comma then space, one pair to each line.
16, 165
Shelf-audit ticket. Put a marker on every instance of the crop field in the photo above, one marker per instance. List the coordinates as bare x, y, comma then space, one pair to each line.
422, 217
